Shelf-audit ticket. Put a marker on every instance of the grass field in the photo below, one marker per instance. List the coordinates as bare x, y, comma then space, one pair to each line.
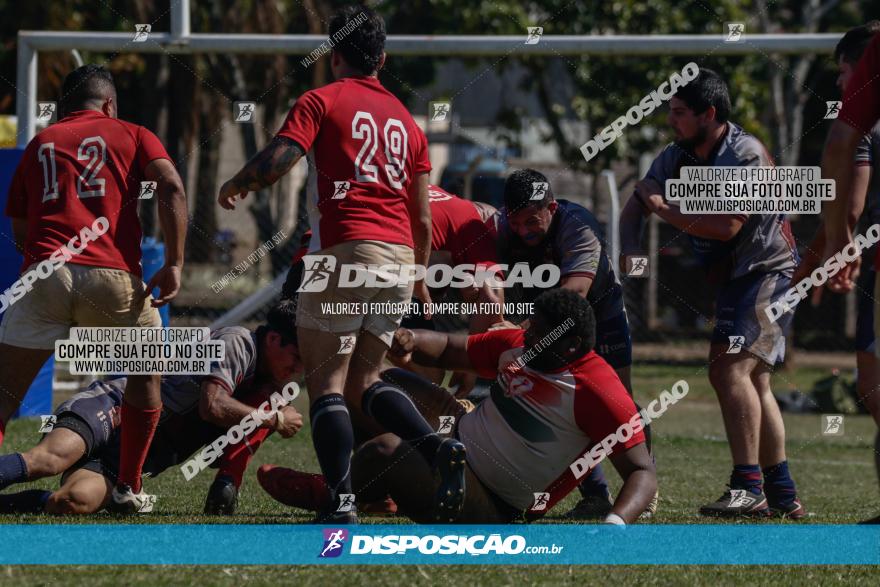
835, 477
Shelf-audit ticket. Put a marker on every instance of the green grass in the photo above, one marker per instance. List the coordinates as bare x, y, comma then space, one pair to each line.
835, 477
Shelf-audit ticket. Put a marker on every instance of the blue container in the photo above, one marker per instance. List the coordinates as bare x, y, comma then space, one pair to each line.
153, 257
38, 400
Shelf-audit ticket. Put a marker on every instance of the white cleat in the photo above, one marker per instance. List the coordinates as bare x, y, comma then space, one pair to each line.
125, 501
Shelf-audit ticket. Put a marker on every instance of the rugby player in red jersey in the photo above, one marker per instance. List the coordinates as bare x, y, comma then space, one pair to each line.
462, 233
79, 180
553, 399
859, 114
368, 205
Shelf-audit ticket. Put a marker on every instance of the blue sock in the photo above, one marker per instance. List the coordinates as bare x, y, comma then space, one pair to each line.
595, 484
32, 501
333, 438
747, 477
12, 470
779, 484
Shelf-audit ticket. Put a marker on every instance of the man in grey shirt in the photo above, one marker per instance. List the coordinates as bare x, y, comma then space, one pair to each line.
751, 258
84, 447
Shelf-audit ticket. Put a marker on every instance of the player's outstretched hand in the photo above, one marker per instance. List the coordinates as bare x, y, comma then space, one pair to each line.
290, 422
845, 279
229, 194
503, 325
167, 279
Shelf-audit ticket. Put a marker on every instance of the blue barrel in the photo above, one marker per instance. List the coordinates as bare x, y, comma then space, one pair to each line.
153, 257
38, 400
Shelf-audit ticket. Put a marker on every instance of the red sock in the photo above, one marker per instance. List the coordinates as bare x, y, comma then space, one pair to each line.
237, 457
2, 431
138, 427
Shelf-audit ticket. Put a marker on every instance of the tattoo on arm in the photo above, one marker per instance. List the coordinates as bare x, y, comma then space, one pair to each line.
267, 166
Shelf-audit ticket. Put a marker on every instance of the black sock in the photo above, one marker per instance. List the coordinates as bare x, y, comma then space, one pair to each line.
12, 469
393, 409
334, 440
32, 501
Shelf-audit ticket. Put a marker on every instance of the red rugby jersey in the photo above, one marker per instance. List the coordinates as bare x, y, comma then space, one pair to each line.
85, 166
458, 227
363, 149
523, 439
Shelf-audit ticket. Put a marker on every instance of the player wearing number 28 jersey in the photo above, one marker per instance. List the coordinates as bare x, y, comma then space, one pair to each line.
73, 205
368, 206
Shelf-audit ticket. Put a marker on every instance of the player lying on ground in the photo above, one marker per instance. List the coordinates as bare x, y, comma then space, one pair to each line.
858, 116
197, 409
519, 442
536, 228
86, 167
369, 205
752, 257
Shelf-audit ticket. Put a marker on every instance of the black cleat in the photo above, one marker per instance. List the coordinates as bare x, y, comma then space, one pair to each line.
222, 498
791, 511
339, 513
450, 462
590, 507
738, 503
875, 520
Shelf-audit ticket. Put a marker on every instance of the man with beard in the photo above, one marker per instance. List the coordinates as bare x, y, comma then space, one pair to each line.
553, 399
752, 258
536, 228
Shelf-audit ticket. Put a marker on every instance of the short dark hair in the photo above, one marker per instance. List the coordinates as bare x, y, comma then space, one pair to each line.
558, 305
855, 41
89, 83
281, 319
519, 189
707, 89
363, 41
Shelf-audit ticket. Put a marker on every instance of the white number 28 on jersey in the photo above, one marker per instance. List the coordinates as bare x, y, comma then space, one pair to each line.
363, 127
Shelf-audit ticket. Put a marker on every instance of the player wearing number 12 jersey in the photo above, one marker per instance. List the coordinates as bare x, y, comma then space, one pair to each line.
73, 204
368, 205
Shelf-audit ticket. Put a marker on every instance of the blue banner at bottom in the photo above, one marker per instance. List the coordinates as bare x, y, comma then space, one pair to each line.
99, 544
